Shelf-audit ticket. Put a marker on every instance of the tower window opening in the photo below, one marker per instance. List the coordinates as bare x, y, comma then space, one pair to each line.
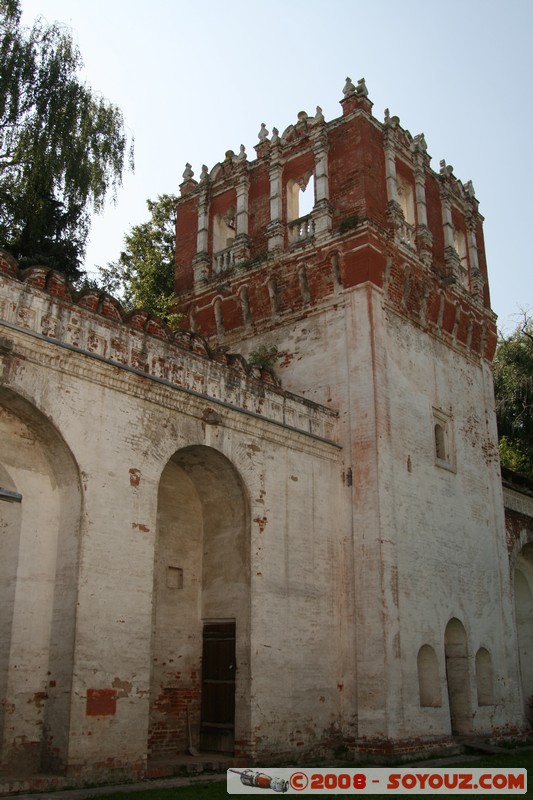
442, 437
223, 230
300, 197
459, 243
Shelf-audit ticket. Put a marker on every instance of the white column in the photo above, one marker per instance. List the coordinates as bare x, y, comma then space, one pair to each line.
203, 224
275, 228
241, 222
322, 209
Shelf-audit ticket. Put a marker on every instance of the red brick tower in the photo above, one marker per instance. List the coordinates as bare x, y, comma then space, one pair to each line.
247, 262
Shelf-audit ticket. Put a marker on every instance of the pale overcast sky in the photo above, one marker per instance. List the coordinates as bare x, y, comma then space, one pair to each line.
196, 78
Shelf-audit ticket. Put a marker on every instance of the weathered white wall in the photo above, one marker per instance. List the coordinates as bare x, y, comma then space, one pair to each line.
428, 539
247, 510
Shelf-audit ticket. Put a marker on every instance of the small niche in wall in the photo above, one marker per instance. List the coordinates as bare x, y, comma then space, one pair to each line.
174, 578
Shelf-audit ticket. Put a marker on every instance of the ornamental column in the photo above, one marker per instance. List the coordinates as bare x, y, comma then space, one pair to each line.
394, 210
477, 283
322, 208
424, 236
200, 262
275, 230
242, 239
451, 258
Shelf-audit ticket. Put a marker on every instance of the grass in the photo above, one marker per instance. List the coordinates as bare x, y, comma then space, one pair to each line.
217, 790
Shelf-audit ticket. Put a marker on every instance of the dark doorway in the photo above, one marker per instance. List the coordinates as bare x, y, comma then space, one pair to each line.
217, 723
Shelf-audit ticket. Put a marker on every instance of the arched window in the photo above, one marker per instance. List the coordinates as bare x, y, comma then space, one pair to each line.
223, 230
459, 243
273, 293
428, 677
304, 284
245, 306
443, 439
300, 197
219, 318
406, 200
440, 442
485, 692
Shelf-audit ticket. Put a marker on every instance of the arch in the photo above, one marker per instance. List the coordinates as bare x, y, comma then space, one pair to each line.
406, 200
201, 608
223, 230
523, 600
300, 196
428, 677
39, 558
273, 293
219, 316
440, 442
304, 284
459, 243
484, 680
458, 677
244, 297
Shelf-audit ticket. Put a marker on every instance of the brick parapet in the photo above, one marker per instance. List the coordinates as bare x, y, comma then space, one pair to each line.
362, 254
40, 301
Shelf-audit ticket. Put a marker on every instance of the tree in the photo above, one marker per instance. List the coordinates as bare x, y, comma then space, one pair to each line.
513, 384
62, 148
143, 275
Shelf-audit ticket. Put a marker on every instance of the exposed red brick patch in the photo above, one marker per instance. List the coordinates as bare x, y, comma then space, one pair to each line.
135, 476
101, 702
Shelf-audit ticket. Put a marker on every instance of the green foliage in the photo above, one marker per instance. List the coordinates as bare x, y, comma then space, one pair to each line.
349, 223
62, 147
143, 275
513, 384
264, 356
249, 263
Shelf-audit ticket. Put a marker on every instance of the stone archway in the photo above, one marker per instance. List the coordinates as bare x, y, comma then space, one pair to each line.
458, 677
39, 557
201, 606
523, 598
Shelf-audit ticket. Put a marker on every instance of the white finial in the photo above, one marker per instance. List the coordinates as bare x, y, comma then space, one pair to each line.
469, 189
275, 136
242, 154
204, 173
188, 173
319, 116
361, 88
263, 133
349, 88
419, 143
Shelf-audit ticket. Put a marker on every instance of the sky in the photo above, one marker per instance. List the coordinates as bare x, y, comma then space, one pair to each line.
195, 78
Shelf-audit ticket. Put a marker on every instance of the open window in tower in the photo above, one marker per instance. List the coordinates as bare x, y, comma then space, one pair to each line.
459, 243
300, 196
443, 440
223, 230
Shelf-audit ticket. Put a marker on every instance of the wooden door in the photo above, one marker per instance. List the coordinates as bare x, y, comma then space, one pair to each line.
217, 722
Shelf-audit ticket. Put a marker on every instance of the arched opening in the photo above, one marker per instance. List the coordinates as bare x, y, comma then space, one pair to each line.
300, 203
459, 243
406, 200
484, 681
523, 598
223, 230
440, 442
428, 677
458, 677
201, 611
39, 557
